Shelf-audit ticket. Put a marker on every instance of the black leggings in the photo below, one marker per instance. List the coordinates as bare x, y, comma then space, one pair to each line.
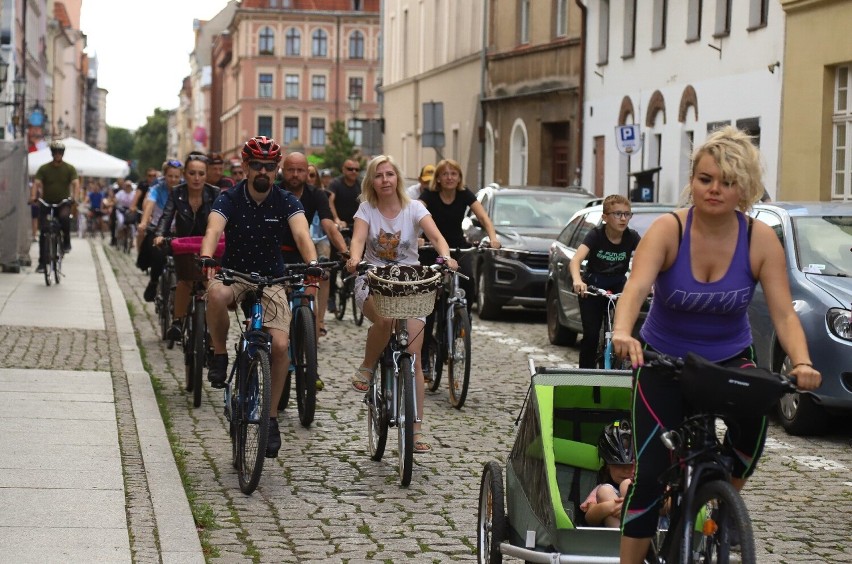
659, 407
592, 312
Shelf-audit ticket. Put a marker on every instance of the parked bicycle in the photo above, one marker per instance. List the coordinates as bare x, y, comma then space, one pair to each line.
707, 516
303, 347
53, 251
248, 388
391, 397
449, 342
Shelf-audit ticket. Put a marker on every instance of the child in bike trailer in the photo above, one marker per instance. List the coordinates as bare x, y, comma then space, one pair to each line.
615, 448
608, 248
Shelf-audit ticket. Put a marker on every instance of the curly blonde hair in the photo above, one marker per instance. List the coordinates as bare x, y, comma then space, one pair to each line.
738, 159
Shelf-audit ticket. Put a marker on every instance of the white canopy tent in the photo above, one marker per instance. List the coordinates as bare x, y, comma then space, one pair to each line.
87, 160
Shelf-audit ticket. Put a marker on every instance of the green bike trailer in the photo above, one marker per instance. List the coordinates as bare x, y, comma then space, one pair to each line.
551, 469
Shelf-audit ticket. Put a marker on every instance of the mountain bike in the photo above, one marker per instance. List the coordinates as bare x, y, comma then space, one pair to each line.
53, 250
400, 293
449, 342
249, 386
303, 347
707, 515
605, 356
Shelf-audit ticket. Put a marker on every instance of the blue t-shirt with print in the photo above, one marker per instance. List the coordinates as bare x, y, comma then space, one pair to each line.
254, 232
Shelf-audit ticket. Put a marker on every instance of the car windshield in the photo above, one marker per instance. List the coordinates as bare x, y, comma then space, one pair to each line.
549, 210
642, 220
824, 244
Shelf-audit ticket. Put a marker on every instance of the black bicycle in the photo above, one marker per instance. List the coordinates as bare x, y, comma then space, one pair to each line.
54, 245
197, 347
248, 390
449, 342
707, 516
345, 288
164, 302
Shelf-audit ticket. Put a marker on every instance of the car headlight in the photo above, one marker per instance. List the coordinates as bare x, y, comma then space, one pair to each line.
509, 254
840, 322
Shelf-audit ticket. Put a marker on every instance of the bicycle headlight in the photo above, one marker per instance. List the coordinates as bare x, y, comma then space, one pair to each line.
839, 322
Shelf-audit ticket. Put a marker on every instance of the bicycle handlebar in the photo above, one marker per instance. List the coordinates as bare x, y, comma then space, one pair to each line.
654, 358
595, 291
227, 276
62, 203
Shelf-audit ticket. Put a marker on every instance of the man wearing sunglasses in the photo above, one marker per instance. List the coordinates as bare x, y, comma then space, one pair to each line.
346, 190
254, 216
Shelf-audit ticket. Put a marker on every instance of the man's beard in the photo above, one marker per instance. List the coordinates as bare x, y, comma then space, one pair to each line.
261, 183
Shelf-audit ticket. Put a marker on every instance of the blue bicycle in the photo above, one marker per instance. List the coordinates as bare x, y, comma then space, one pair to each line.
605, 357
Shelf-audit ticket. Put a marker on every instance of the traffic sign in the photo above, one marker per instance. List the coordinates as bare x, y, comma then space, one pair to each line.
628, 138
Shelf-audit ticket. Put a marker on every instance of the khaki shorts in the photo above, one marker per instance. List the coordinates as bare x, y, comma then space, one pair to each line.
276, 308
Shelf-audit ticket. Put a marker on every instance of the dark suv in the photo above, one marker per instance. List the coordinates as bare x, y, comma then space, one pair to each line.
527, 220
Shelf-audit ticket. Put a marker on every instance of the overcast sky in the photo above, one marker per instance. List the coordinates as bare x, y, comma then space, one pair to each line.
143, 52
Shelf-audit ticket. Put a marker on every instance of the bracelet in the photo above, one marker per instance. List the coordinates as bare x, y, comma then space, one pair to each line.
803, 364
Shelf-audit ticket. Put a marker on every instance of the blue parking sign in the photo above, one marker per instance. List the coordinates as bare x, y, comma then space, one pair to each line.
628, 138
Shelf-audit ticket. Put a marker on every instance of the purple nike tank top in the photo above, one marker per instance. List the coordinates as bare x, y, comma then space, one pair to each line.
707, 318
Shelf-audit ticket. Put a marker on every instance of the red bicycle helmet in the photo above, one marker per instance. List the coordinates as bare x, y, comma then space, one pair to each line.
262, 147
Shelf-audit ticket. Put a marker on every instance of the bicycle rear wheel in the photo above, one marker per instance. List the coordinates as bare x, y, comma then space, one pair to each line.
377, 416
431, 358
253, 420
405, 419
341, 295
188, 352
305, 360
199, 348
163, 306
458, 367
357, 314
719, 521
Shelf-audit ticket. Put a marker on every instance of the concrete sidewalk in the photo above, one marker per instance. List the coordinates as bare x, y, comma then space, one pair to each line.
63, 489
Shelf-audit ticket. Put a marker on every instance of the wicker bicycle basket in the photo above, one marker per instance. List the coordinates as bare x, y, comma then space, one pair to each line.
402, 291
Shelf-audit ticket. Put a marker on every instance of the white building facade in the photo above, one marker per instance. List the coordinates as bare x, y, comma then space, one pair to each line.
678, 70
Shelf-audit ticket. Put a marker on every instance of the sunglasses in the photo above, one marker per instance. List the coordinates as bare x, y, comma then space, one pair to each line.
621, 215
257, 166
353, 169
174, 163
200, 158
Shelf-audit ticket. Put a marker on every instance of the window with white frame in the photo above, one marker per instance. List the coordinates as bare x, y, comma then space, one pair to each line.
356, 45
356, 133
841, 165
723, 18
758, 14
318, 132
264, 126
629, 29
266, 41
603, 32
694, 9
562, 18
319, 43
293, 43
658, 29
518, 155
291, 129
524, 22
264, 85
318, 87
291, 87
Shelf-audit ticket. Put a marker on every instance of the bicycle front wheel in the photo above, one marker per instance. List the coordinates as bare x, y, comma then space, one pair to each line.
458, 368
253, 420
719, 523
405, 419
48, 260
341, 295
57, 255
199, 348
357, 314
305, 360
163, 306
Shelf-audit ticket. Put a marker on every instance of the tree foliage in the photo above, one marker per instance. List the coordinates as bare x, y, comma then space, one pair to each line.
338, 148
151, 142
120, 144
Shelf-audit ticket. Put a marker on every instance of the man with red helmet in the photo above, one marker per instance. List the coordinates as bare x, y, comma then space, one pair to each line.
254, 215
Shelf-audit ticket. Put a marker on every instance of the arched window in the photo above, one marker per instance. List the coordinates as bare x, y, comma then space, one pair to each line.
356, 45
266, 41
518, 155
319, 43
488, 172
293, 42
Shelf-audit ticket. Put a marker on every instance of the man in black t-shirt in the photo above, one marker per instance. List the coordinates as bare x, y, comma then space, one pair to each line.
346, 190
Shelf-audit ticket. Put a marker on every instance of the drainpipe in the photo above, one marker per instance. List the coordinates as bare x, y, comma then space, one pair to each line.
483, 60
582, 85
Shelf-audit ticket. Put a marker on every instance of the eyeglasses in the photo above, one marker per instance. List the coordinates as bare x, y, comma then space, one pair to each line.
200, 158
621, 215
174, 163
353, 169
257, 166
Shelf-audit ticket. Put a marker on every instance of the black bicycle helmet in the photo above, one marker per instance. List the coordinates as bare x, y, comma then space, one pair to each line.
261, 147
615, 445
57, 145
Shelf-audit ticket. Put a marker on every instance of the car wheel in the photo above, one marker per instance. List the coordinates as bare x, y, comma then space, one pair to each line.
799, 413
487, 308
557, 333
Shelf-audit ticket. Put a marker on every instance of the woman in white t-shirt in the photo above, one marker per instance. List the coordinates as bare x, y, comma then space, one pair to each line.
385, 232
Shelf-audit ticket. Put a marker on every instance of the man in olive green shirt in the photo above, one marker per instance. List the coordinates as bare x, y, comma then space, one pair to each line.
55, 181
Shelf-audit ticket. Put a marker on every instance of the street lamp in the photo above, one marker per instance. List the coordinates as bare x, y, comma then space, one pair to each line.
354, 104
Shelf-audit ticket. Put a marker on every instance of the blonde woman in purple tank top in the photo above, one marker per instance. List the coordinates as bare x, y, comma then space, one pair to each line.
697, 255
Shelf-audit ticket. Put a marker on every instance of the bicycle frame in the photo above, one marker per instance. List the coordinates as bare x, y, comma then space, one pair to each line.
396, 349
608, 354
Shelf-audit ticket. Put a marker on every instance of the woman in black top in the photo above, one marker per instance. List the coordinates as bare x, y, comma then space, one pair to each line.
188, 206
608, 248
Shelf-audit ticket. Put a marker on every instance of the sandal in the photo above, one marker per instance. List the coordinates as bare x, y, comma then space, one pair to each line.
360, 383
421, 446
323, 332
